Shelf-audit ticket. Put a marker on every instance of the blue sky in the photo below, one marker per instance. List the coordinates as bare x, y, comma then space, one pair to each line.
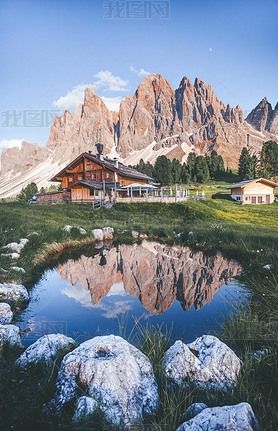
52, 49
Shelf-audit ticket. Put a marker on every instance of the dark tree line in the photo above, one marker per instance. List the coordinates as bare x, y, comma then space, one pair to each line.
197, 169
265, 165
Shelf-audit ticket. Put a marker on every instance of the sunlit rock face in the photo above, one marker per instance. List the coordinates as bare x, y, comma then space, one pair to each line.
155, 273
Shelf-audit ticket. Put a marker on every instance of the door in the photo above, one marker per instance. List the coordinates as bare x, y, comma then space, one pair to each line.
267, 199
253, 199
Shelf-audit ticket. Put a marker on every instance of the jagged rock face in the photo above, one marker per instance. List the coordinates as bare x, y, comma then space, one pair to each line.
155, 118
17, 160
154, 273
91, 123
264, 118
149, 115
261, 115
273, 123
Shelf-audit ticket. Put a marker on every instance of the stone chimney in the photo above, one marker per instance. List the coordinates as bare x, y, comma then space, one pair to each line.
99, 151
116, 162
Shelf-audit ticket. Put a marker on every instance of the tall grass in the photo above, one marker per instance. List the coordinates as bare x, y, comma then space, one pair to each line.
246, 233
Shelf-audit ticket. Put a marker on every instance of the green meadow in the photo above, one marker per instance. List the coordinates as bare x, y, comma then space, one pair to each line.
246, 233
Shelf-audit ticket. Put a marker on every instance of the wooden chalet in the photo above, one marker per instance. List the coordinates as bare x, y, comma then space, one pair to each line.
94, 177
256, 191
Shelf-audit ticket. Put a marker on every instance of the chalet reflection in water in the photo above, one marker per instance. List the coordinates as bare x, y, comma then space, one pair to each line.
155, 273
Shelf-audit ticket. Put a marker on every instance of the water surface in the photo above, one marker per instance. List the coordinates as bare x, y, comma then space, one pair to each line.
154, 282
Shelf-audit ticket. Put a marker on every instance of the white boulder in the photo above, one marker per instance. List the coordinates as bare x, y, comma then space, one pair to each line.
18, 269
114, 375
32, 233
207, 361
11, 255
67, 228
10, 334
17, 247
98, 234
12, 291
6, 314
227, 418
45, 349
82, 231
108, 232
194, 410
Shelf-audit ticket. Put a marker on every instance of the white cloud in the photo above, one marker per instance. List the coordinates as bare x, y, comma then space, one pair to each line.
73, 98
112, 103
140, 72
105, 81
9, 143
109, 82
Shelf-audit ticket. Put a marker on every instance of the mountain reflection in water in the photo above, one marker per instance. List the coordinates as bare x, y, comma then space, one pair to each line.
155, 273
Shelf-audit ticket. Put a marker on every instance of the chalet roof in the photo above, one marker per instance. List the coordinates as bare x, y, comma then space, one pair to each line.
85, 184
107, 163
242, 184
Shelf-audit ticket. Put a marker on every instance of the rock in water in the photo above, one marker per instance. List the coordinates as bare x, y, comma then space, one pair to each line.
227, 418
114, 375
207, 361
45, 349
6, 314
14, 292
9, 334
98, 234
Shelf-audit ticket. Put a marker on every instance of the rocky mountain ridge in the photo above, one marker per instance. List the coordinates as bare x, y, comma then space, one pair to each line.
155, 120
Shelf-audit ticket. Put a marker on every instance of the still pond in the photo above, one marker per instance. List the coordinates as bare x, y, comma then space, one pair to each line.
153, 282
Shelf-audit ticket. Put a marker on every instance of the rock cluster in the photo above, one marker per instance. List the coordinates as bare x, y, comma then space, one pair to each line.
110, 374
105, 233
68, 228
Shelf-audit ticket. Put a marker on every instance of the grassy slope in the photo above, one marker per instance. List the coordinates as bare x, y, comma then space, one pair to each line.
247, 233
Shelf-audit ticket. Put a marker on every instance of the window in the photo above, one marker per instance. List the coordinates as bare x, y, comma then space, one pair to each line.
246, 198
253, 201
79, 177
260, 199
94, 175
109, 175
70, 179
91, 192
238, 198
